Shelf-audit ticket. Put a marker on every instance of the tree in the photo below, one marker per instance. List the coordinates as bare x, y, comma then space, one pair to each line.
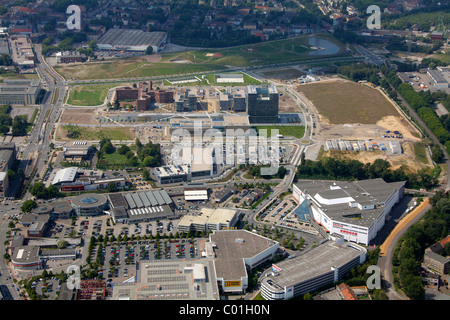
123, 149
28, 205
149, 50
146, 174
112, 187
447, 249
19, 126
61, 244
107, 147
436, 154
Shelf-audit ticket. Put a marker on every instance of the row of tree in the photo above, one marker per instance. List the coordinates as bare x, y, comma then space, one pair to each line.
334, 169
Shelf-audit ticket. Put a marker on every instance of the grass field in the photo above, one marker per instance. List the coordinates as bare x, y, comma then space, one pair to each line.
130, 68
13, 75
89, 95
95, 133
292, 131
115, 158
420, 152
348, 102
198, 61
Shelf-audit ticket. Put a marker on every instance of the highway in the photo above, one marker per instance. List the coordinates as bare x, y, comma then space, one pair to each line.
37, 148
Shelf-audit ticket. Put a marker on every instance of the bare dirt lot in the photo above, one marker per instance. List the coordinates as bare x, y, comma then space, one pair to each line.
283, 74
407, 159
80, 116
287, 104
344, 102
360, 112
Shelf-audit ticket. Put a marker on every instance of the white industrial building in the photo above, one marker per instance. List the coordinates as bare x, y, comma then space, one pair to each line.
65, 175
395, 147
356, 210
195, 191
229, 78
439, 80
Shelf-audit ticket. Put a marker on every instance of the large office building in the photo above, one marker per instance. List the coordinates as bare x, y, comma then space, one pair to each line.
26, 258
172, 174
89, 204
262, 103
19, 91
185, 102
8, 155
209, 219
356, 210
317, 268
237, 252
22, 52
131, 40
77, 150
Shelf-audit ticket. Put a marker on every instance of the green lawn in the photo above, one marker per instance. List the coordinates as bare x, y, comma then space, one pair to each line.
115, 158
204, 60
89, 95
293, 131
95, 133
247, 80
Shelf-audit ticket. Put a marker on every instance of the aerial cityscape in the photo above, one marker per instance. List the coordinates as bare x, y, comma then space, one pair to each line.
224, 150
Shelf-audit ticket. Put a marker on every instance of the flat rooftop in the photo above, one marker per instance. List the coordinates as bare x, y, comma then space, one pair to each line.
168, 171
314, 263
181, 279
123, 37
232, 247
335, 197
263, 90
208, 216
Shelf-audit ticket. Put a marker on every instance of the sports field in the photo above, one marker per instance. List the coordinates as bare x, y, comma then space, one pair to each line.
342, 102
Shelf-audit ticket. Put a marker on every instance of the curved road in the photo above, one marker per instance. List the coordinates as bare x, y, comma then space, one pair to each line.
388, 247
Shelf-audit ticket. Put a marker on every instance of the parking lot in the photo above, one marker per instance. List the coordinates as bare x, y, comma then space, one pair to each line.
119, 260
281, 213
47, 286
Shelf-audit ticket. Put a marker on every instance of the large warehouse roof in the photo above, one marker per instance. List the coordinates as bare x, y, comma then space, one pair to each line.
65, 175
130, 38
